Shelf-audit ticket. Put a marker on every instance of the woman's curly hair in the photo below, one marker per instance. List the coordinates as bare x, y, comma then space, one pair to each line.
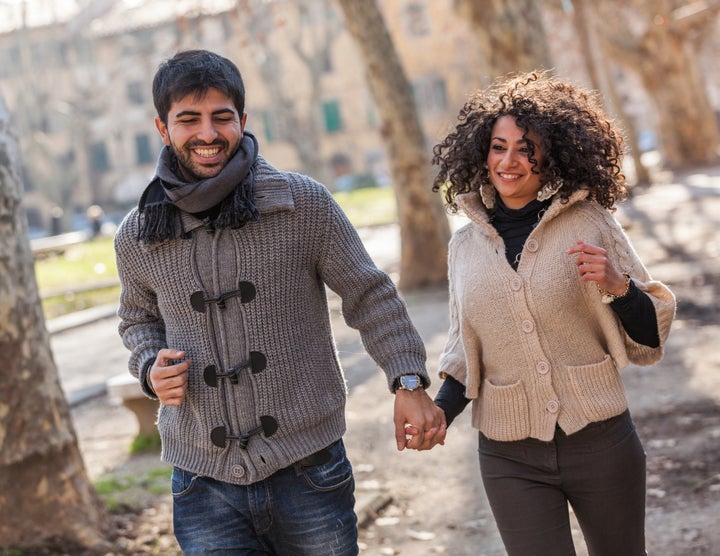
580, 144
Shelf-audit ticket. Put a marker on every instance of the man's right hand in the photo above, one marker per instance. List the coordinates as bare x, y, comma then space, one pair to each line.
169, 379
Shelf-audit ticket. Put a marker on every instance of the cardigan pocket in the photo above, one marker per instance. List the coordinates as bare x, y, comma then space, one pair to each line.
598, 389
504, 413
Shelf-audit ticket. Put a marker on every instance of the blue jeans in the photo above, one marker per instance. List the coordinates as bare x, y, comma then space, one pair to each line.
296, 511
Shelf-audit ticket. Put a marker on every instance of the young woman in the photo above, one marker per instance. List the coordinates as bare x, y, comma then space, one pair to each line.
548, 302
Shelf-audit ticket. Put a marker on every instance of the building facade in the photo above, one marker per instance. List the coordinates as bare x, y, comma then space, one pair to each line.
76, 76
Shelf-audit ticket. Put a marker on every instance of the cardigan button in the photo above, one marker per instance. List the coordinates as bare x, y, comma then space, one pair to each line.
543, 367
532, 245
552, 406
516, 284
238, 470
527, 326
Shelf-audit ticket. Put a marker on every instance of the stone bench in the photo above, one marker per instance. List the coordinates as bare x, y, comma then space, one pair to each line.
126, 388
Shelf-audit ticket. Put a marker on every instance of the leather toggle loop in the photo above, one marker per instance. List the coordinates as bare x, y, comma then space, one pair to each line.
246, 291
257, 364
268, 426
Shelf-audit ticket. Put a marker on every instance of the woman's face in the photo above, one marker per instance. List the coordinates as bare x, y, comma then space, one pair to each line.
508, 165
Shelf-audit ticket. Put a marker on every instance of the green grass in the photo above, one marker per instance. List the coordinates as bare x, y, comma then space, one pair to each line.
83, 265
123, 491
93, 262
58, 305
144, 443
369, 206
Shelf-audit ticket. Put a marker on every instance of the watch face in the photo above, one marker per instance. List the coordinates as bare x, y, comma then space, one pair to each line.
410, 382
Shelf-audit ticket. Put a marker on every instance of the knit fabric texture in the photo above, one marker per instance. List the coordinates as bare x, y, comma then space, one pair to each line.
282, 263
536, 347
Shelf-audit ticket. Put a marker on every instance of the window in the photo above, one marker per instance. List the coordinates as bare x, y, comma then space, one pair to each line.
327, 62
273, 126
10, 61
269, 126
372, 115
430, 94
331, 116
99, 161
417, 22
84, 51
143, 149
135, 92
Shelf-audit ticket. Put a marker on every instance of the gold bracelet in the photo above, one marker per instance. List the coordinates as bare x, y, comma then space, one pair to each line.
608, 297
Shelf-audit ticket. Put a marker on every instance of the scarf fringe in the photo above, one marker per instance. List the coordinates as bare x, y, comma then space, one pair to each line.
239, 208
230, 194
159, 220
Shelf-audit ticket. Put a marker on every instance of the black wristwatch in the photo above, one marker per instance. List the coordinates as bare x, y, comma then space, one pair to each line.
408, 382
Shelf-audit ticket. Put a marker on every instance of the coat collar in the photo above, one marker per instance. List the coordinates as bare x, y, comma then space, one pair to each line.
272, 194
471, 205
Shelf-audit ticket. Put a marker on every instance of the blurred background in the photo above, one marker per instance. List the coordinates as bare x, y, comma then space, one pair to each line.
328, 95
76, 77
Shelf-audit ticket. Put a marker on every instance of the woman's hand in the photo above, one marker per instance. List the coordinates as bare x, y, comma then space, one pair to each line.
594, 265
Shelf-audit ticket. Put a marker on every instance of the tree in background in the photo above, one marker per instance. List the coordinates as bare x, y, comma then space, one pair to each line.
660, 41
511, 34
424, 229
598, 67
53, 168
45, 493
308, 27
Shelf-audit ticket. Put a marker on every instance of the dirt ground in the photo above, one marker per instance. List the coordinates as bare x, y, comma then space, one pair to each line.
433, 503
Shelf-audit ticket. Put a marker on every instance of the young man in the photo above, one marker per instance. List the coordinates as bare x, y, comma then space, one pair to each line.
224, 265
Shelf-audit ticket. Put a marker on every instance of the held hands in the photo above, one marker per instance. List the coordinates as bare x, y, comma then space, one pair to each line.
594, 265
169, 379
419, 423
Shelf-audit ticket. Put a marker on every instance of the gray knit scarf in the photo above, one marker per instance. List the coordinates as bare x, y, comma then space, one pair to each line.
231, 191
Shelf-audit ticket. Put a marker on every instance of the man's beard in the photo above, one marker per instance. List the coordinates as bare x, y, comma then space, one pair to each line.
192, 170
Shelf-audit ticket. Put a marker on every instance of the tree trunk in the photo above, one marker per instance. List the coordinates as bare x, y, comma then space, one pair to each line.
45, 493
664, 56
311, 38
424, 229
511, 34
583, 23
688, 126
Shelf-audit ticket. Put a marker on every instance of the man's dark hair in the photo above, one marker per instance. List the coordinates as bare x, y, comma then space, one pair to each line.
194, 72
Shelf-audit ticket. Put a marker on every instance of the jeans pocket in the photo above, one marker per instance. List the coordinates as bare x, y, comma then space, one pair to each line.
332, 475
182, 482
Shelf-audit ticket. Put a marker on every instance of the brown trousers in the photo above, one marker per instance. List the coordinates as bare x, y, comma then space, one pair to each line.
599, 471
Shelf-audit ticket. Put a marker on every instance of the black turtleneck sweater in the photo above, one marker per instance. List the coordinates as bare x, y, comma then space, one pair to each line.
515, 225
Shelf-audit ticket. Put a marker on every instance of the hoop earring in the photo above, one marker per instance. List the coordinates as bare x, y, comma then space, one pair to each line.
549, 189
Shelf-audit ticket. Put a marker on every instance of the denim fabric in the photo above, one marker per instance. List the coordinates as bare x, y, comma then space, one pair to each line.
599, 471
298, 510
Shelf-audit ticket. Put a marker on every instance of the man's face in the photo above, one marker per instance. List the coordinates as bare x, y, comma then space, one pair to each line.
203, 133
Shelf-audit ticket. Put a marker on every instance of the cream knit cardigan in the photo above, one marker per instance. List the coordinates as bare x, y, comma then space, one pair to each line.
537, 347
